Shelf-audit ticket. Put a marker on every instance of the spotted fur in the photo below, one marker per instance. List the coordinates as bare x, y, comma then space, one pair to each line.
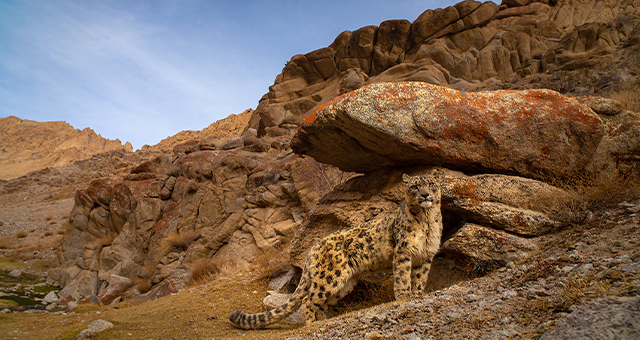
406, 241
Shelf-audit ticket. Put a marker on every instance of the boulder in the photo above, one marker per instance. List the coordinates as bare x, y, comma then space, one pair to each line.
531, 133
607, 318
83, 285
486, 245
117, 285
164, 288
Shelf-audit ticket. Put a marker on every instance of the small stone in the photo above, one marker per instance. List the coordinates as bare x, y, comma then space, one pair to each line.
471, 297
15, 273
94, 328
509, 293
585, 268
631, 267
634, 209
374, 336
51, 297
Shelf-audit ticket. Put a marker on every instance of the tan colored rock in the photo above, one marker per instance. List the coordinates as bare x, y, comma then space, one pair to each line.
116, 286
430, 22
29, 145
389, 48
487, 245
356, 50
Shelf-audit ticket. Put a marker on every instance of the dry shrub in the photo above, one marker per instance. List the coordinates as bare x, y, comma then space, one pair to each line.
475, 267
630, 98
48, 233
580, 291
21, 234
203, 271
272, 263
608, 193
588, 195
53, 221
142, 284
6, 242
37, 246
179, 241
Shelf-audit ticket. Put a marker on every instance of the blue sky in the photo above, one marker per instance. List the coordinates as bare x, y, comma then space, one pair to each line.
141, 71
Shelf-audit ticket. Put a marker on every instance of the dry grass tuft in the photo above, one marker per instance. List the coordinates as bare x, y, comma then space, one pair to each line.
6, 242
270, 264
580, 291
179, 241
630, 98
204, 270
21, 234
586, 196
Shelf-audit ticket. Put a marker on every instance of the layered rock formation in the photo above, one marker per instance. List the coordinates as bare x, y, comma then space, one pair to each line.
176, 209
470, 46
27, 146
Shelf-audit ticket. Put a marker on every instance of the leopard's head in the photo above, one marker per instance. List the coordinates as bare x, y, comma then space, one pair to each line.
422, 190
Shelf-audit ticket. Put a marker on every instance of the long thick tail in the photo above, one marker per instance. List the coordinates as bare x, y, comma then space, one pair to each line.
244, 320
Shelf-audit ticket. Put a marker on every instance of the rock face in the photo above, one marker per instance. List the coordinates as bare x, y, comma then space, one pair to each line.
469, 46
150, 228
27, 145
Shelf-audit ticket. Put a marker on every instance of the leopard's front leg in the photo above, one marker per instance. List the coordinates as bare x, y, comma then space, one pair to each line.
401, 274
419, 276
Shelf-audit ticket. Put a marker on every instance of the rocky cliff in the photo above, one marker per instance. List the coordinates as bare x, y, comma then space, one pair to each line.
497, 154
222, 130
27, 146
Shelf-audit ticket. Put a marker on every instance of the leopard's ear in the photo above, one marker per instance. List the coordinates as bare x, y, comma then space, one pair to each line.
406, 178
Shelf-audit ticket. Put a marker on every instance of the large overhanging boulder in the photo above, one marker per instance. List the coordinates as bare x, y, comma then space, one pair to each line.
531, 133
